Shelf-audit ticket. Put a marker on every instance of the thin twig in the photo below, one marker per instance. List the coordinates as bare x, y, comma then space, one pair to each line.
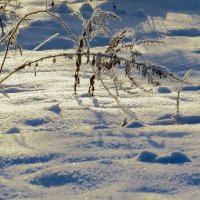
47, 40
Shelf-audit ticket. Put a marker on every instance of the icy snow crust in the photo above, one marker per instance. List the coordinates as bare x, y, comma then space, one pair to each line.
57, 145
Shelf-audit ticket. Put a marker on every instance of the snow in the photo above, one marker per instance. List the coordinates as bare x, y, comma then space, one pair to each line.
174, 158
55, 144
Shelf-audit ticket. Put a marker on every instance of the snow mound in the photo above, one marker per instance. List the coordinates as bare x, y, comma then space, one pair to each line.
147, 156
135, 124
164, 90
13, 130
174, 158
176, 119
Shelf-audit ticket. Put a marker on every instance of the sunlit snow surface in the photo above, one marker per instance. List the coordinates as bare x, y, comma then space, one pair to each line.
57, 145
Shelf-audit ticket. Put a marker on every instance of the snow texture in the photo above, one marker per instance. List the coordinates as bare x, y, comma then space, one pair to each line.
58, 145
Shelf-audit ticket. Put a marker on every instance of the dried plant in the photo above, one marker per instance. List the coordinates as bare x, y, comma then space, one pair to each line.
109, 63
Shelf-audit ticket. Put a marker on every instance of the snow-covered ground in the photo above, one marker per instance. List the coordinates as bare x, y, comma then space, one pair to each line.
58, 145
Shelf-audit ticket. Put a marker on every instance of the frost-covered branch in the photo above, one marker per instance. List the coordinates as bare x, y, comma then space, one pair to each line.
12, 34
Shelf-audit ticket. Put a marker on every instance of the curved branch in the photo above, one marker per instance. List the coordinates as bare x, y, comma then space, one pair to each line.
24, 65
19, 23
